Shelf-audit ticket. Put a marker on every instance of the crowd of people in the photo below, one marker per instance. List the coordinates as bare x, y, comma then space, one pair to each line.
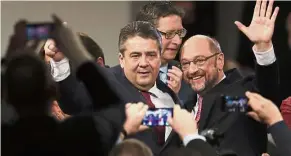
62, 98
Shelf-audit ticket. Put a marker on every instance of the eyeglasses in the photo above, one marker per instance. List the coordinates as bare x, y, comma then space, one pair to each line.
169, 35
199, 61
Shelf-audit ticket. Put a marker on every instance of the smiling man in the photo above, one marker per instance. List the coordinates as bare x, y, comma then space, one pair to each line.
202, 63
167, 18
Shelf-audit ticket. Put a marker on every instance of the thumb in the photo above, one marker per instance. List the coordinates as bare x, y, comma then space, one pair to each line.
254, 116
142, 128
241, 27
265, 154
170, 121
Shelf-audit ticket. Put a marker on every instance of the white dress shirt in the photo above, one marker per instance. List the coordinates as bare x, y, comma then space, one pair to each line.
163, 73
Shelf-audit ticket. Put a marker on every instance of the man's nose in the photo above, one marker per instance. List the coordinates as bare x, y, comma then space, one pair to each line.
177, 39
143, 61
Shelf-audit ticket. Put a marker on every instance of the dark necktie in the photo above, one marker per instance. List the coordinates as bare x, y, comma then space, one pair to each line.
160, 130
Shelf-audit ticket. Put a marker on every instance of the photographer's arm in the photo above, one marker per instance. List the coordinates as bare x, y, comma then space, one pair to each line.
263, 110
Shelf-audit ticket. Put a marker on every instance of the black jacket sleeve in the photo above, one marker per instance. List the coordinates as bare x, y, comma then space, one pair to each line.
87, 90
202, 147
267, 82
282, 138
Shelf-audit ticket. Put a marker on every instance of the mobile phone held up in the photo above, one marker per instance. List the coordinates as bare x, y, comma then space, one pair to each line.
157, 117
234, 104
39, 31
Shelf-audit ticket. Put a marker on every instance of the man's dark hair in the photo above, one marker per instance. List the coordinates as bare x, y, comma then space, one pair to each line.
153, 11
91, 46
28, 83
131, 147
138, 28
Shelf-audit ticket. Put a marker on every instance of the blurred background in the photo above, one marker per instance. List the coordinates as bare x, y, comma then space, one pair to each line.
103, 21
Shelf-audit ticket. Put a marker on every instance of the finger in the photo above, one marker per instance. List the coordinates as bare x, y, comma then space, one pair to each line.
253, 102
253, 95
67, 116
144, 110
173, 77
171, 85
141, 103
177, 108
254, 116
127, 105
176, 71
263, 8
176, 68
50, 54
270, 9
57, 116
142, 128
241, 27
265, 154
139, 106
170, 121
257, 9
257, 96
39, 46
274, 16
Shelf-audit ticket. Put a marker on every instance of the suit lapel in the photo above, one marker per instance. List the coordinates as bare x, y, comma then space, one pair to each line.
207, 106
212, 97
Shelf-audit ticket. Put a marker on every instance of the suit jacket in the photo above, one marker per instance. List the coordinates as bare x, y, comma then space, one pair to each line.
241, 133
126, 93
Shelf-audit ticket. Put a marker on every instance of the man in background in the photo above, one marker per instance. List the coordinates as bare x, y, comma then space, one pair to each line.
167, 18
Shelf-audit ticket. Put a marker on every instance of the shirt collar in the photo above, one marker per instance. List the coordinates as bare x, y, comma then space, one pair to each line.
164, 68
154, 90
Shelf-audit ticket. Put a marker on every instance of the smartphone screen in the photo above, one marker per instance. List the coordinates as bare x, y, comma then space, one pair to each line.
235, 104
39, 31
157, 117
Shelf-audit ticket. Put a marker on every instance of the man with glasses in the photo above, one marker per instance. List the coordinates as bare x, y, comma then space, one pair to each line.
202, 63
167, 18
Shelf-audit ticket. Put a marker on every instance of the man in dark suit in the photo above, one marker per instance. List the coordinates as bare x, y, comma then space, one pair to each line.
167, 18
135, 80
202, 63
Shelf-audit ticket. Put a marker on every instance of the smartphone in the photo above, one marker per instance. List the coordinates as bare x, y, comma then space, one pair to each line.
39, 31
234, 104
157, 117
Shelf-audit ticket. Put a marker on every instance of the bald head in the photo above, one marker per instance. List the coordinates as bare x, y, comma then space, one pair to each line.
202, 41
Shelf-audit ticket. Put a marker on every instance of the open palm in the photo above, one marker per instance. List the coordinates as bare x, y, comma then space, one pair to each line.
262, 26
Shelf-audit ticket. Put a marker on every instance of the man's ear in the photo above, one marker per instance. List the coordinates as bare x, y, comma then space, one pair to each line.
121, 60
100, 61
220, 61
